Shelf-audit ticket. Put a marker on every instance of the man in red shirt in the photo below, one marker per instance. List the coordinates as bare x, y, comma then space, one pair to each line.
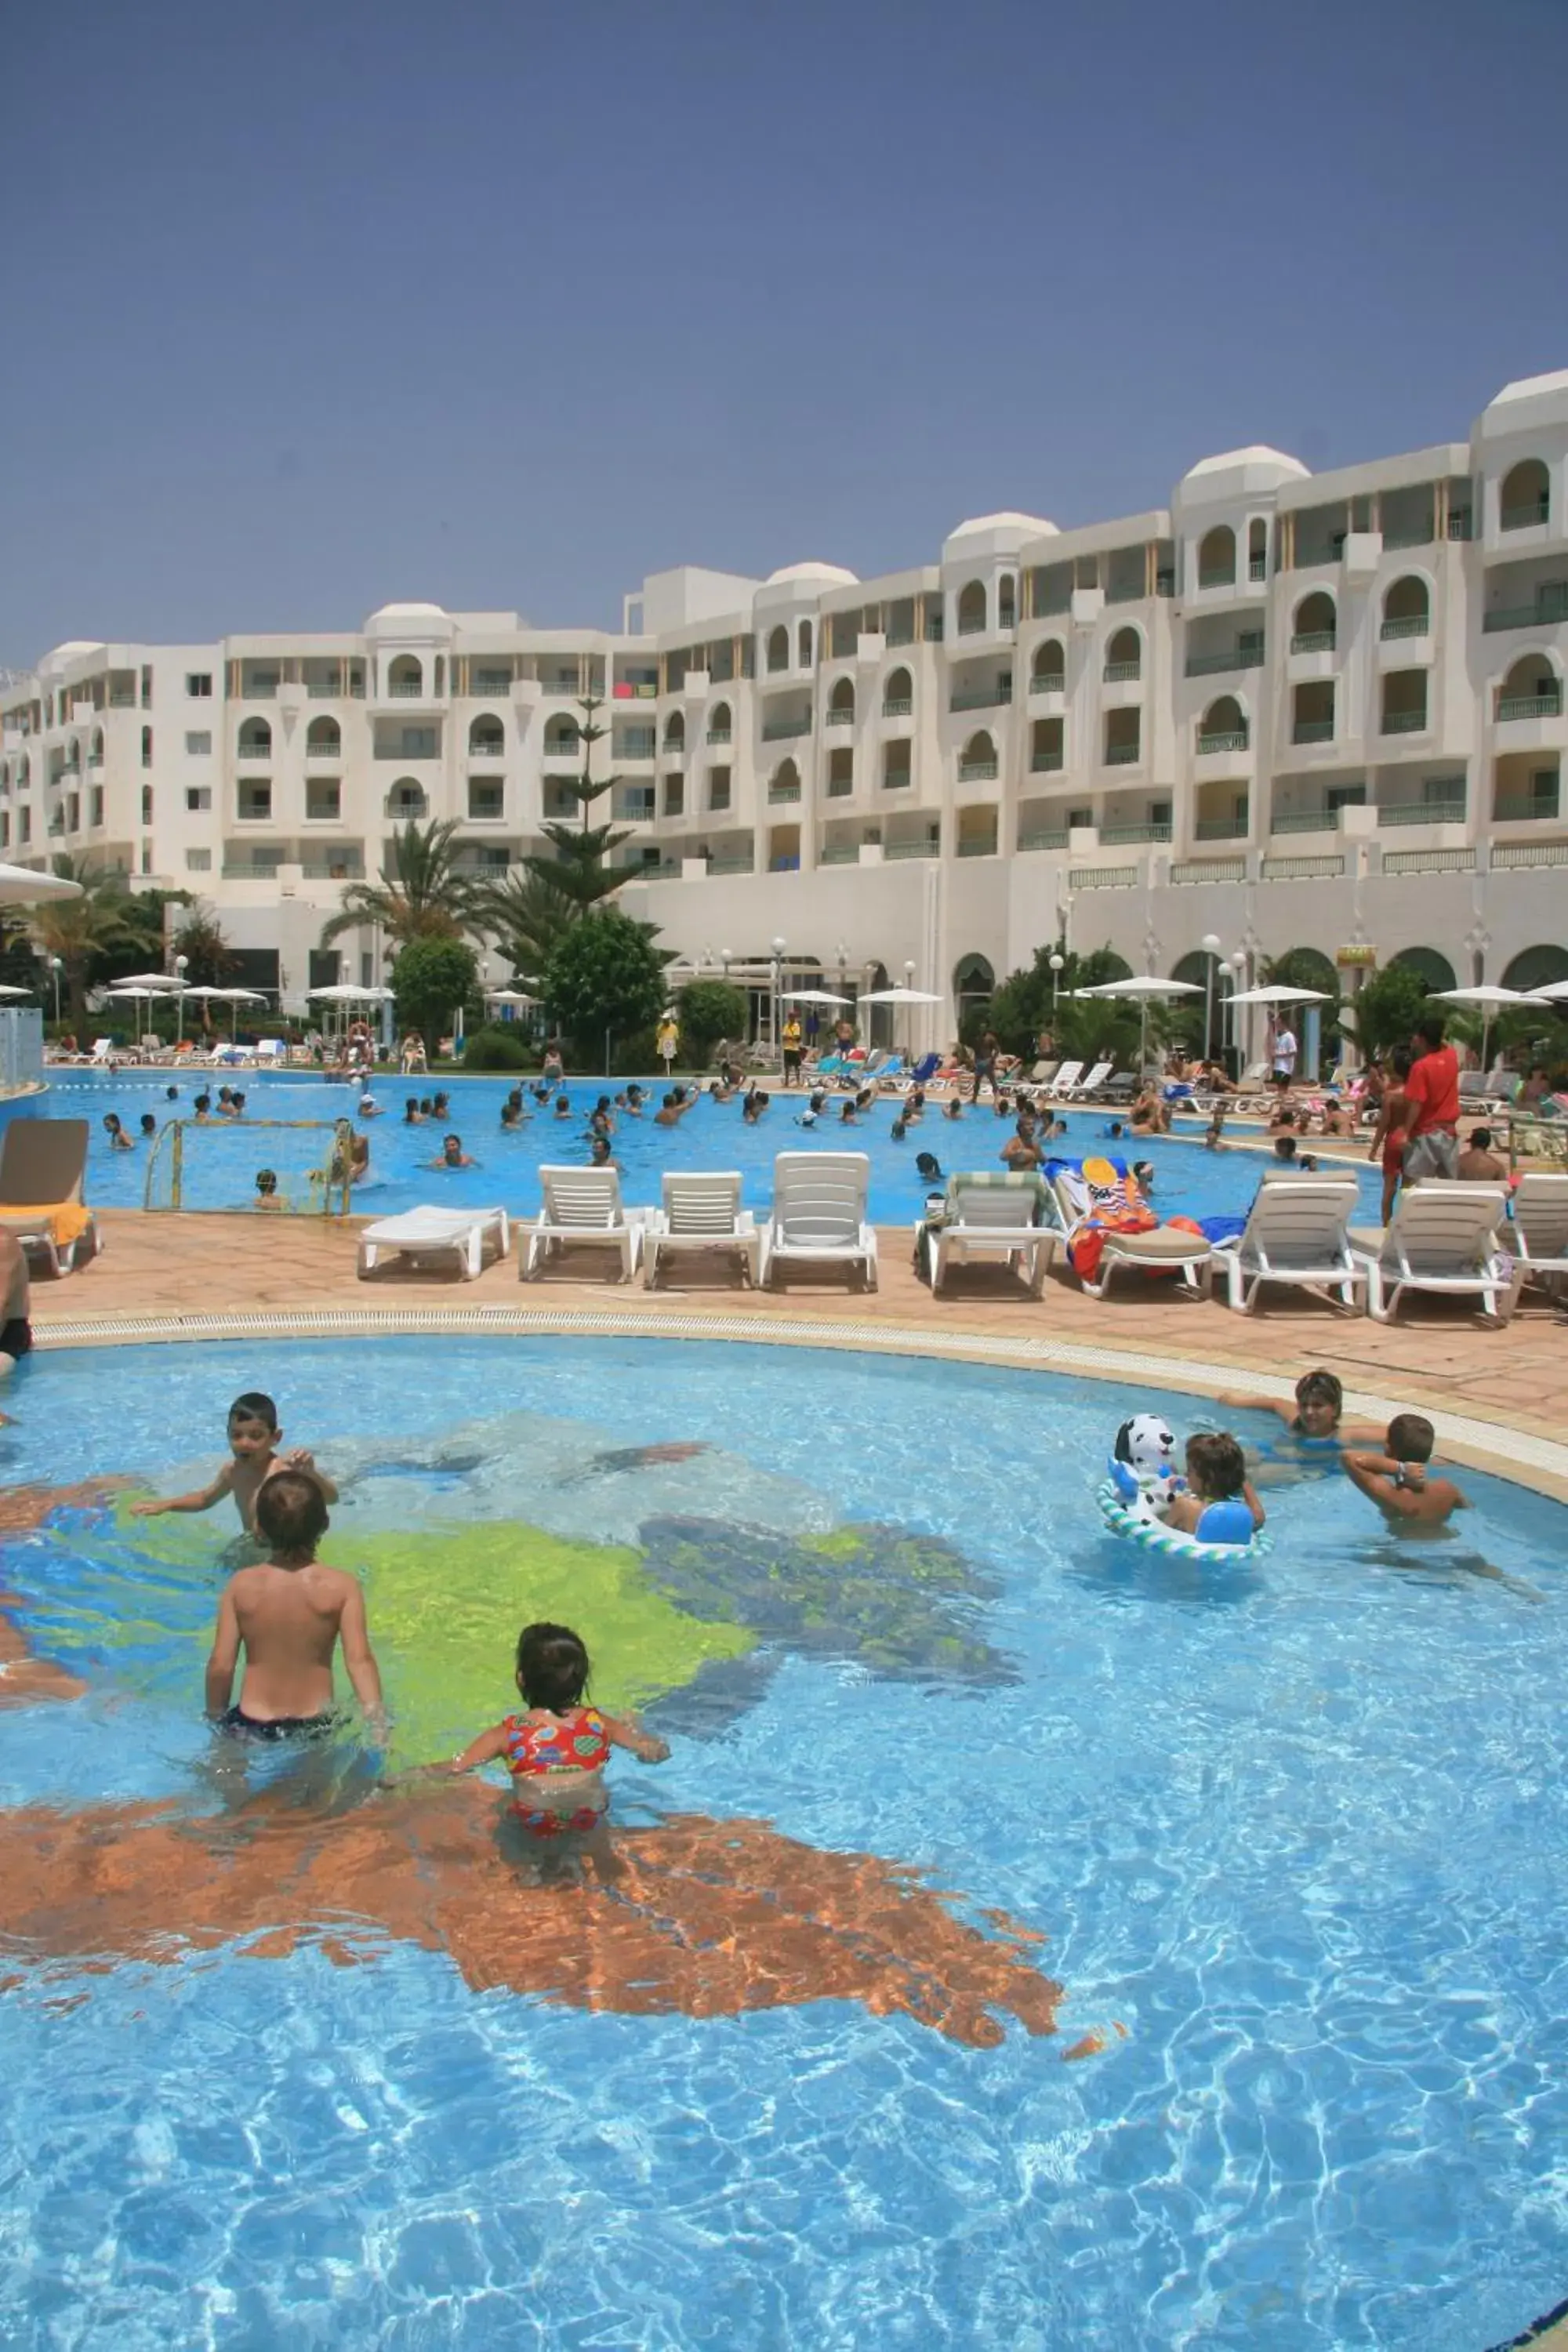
1432, 1095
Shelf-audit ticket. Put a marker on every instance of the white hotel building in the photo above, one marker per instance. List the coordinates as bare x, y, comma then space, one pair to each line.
1293, 710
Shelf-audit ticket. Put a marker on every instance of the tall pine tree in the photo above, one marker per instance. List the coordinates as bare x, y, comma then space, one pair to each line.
580, 870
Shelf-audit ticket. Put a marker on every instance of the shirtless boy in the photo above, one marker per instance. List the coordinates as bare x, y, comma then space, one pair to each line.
289, 1616
1398, 1482
253, 1435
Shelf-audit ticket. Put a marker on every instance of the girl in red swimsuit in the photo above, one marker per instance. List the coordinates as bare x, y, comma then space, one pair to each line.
556, 1751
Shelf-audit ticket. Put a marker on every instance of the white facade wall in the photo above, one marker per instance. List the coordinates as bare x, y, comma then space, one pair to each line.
1350, 730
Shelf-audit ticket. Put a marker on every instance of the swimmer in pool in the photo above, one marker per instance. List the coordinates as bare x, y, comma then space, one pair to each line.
1397, 1478
289, 1615
556, 1750
253, 1435
1219, 1505
1314, 1418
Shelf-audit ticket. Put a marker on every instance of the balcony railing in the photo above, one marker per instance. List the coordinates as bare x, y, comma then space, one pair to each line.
1046, 764
1549, 610
719, 735
1525, 516
1314, 641
785, 730
1393, 540
1413, 625
1047, 837
1442, 812
778, 793
334, 751
1545, 704
566, 747
839, 853
330, 869
1217, 575
971, 848
1233, 740
1123, 755
898, 850
1317, 820
973, 628
738, 864
405, 690
1122, 673
253, 751
1121, 836
898, 706
841, 714
839, 788
1221, 828
1404, 722
1313, 731
1509, 809
1164, 584
1460, 523
94, 760
980, 697
558, 685
1234, 658
1049, 681
977, 771
1258, 567
490, 681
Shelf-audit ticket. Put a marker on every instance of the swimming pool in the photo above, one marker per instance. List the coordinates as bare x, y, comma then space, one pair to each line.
221, 1161
1294, 1836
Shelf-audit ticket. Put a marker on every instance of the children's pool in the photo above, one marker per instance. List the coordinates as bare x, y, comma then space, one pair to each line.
299, 2060
221, 1160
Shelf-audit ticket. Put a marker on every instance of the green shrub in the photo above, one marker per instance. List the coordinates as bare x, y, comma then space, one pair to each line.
708, 1010
638, 1055
496, 1047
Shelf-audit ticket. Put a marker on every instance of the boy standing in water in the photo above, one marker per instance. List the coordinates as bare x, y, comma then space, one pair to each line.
289, 1615
253, 1435
1397, 1481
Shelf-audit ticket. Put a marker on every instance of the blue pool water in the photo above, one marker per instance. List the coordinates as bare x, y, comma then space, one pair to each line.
221, 1161
1300, 1828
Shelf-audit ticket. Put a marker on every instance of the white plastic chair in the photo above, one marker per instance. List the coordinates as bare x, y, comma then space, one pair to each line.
1067, 1077
985, 1219
580, 1205
1538, 1238
1443, 1238
819, 1213
701, 1210
1297, 1233
429, 1232
1096, 1078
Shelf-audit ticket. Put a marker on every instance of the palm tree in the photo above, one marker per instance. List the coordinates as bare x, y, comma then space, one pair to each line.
202, 941
528, 915
78, 930
423, 892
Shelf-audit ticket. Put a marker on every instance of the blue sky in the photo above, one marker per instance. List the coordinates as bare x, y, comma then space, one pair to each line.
307, 307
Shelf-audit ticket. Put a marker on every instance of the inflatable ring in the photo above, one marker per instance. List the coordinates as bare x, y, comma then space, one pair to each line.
1137, 1522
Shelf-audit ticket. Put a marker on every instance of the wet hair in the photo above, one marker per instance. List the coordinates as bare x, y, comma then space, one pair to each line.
170, 1094
562, 1102
447, 1140
927, 1166
254, 1404
1430, 1029
600, 1150
1322, 1388
1411, 1437
898, 1131
1286, 1119
1215, 1465
203, 1102
1114, 1129
292, 1512
551, 1665
1144, 1172
149, 1125
111, 1121
411, 1106
1284, 1146
1480, 1139
267, 1183
238, 1100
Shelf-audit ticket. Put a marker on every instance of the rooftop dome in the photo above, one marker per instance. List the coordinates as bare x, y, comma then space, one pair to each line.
71, 647
1034, 525
409, 612
833, 573
1259, 454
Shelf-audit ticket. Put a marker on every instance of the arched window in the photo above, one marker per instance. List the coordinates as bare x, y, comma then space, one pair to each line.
1049, 675
804, 641
897, 693
1407, 608
1533, 689
404, 676
146, 747
719, 723
1123, 657
1223, 727
1429, 967
1316, 622
785, 782
255, 738
406, 798
841, 705
1526, 495
1007, 602
1536, 968
23, 771
323, 740
977, 761
1301, 968
1258, 549
97, 743
971, 608
974, 985
562, 741
1217, 557
487, 736
778, 647
675, 732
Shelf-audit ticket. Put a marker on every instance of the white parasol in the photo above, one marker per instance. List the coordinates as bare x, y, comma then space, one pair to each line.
19, 887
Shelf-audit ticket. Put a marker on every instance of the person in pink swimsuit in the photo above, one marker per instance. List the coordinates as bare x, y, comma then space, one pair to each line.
556, 1750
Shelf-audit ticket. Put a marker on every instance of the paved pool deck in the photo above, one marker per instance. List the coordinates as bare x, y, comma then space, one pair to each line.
1499, 1395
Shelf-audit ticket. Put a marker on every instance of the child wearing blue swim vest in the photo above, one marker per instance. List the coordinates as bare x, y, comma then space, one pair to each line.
1219, 1505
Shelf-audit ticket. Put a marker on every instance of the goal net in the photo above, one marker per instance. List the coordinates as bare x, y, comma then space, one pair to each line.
277, 1166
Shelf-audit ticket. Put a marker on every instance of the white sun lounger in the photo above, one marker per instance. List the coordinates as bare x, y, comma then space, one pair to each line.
1298, 1232
819, 1213
997, 1216
1444, 1239
701, 1210
43, 1163
1538, 1238
428, 1233
1067, 1077
1089, 1086
580, 1205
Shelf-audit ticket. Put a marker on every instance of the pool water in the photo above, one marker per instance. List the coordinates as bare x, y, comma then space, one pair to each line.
1294, 1836
221, 1160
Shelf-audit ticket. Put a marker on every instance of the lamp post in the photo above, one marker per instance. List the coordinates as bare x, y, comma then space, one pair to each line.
778, 983
1211, 946
181, 965
55, 968
1239, 964
1058, 965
